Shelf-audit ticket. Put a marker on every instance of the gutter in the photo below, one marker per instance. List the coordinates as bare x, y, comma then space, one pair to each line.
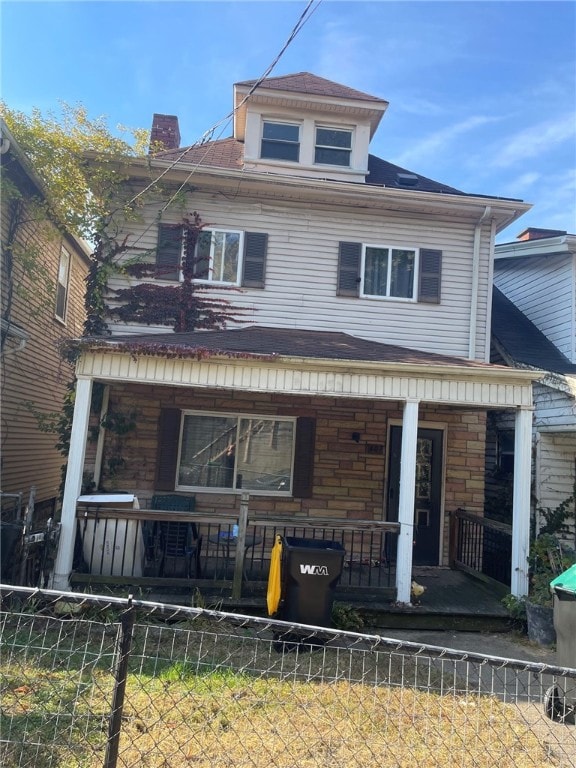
473, 372
475, 282
361, 194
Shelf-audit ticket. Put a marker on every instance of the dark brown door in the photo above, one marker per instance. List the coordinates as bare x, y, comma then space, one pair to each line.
428, 492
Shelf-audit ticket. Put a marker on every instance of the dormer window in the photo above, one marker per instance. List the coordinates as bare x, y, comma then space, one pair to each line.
333, 146
280, 141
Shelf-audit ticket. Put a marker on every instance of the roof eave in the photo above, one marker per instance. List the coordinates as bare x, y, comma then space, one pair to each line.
503, 210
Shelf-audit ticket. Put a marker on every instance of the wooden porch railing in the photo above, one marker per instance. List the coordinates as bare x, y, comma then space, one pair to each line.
116, 546
481, 547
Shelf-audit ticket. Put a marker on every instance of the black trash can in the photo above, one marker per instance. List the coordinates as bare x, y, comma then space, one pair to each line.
308, 574
10, 534
560, 701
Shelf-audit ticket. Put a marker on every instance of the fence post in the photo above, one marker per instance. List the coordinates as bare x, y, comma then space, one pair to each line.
120, 675
240, 546
453, 553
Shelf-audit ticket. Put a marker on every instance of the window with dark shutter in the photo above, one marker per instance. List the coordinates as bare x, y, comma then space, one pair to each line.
303, 480
349, 258
254, 262
168, 252
429, 285
167, 449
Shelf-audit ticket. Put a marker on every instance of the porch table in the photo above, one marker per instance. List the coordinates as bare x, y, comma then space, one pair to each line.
226, 542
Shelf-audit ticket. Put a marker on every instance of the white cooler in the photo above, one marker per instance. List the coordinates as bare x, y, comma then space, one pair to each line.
112, 547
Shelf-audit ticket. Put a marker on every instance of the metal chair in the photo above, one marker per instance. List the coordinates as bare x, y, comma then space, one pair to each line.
173, 548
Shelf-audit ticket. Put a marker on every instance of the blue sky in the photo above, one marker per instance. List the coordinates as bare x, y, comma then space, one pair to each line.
482, 94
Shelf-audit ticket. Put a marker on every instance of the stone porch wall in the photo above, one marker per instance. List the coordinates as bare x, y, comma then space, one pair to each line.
349, 477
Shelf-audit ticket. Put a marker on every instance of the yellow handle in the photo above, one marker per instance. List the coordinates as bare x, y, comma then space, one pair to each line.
274, 581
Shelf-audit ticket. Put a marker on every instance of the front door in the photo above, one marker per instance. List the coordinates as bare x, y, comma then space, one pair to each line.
428, 492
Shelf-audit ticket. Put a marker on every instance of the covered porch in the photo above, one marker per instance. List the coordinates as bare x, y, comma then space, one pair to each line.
387, 443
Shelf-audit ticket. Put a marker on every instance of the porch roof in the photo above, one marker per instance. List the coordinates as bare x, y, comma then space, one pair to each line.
265, 342
300, 362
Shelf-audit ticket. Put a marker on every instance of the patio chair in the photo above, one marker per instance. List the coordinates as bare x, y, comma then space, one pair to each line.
173, 548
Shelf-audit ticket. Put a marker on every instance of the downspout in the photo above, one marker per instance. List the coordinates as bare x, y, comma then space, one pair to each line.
101, 438
475, 283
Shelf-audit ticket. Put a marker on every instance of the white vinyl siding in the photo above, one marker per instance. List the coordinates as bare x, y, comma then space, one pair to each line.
301, 273
556, 473
543, 289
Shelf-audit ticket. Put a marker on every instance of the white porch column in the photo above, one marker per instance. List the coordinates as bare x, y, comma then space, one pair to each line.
73, 485
521, 501
406, 501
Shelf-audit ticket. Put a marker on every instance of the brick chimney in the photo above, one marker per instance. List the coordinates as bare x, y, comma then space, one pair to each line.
165, 131
535, 233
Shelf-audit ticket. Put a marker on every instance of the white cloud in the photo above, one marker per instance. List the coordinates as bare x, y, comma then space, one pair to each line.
442, 140
535, 140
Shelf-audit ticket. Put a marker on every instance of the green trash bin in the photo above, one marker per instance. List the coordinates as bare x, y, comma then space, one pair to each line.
560, 701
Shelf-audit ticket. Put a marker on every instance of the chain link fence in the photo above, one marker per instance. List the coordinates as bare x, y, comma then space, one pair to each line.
98, 681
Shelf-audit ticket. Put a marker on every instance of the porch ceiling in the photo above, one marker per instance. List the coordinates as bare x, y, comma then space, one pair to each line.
298, 362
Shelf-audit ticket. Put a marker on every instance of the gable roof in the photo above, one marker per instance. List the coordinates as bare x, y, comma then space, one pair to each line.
306, 82
522, 341
260, 341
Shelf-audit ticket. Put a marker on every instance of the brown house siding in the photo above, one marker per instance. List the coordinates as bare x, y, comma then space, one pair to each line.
34, 378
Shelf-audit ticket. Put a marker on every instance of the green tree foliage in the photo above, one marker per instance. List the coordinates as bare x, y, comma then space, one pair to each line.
81, 194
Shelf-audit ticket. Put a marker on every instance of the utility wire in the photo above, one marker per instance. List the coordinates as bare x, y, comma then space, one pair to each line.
207, 136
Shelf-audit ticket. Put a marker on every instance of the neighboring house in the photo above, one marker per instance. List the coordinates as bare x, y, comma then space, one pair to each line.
43, 272
534, 327
358, 387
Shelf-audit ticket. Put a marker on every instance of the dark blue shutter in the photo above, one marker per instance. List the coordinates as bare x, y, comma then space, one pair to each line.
254, 260
167, 449
168, 252
304, 457
349, 259
429, 283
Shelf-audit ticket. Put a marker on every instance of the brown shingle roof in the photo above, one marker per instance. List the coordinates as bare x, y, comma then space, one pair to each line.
306, 82
225, 153
283, 342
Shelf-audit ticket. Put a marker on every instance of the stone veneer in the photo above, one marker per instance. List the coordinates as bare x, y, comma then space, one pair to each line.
349, 482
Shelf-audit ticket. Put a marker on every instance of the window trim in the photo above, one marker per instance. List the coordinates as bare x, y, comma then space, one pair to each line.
350, 131
65, 287
284, 142
388, 297
238, 416
239, 266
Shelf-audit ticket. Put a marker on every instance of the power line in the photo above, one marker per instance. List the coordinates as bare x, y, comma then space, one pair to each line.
311, 7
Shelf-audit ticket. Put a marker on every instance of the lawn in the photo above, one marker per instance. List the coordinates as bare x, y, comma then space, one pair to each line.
213, 696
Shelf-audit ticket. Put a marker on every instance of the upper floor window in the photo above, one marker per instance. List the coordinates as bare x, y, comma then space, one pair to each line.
388, 272
62, 284
222, 256
381, 271
218, 256
280, 141
333, 146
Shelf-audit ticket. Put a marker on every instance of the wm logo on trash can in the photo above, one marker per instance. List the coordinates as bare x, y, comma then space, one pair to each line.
314, 570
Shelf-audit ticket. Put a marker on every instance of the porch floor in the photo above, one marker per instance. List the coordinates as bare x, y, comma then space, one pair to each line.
452, 600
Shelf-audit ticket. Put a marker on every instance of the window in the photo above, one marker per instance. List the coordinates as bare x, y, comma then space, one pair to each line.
218, 256
333, 146
280, 141
505, 456
222, 256
220, 451
388, 272
381, 271
62, 284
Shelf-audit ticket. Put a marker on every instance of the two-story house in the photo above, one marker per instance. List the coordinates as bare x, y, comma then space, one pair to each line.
534, 326
354, 393
42, 281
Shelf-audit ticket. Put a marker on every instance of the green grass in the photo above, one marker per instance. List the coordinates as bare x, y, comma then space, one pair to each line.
210, 697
